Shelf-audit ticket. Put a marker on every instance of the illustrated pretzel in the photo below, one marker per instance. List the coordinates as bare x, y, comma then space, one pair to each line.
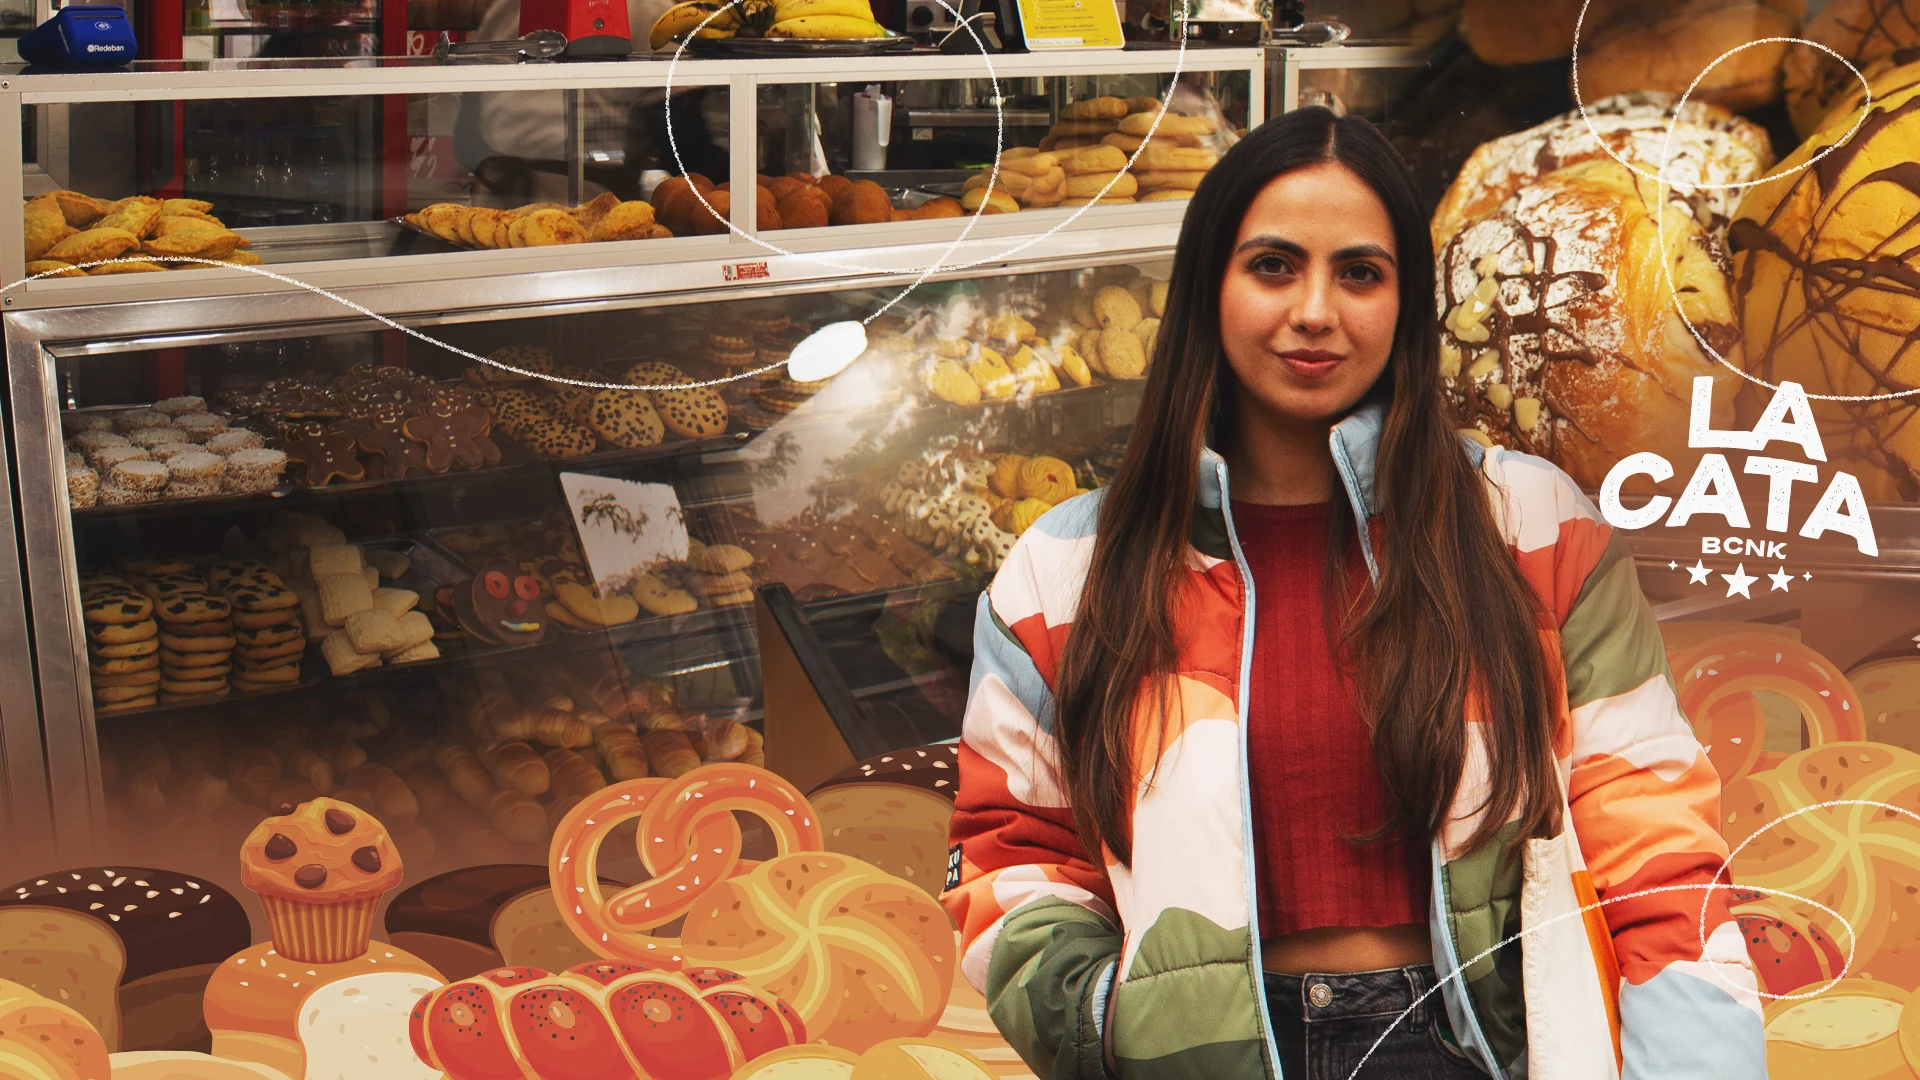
688, 840
1714, 673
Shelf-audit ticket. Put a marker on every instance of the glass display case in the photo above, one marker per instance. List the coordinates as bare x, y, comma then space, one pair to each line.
324, 168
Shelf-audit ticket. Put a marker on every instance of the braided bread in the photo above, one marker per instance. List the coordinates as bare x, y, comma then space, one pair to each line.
600, 1019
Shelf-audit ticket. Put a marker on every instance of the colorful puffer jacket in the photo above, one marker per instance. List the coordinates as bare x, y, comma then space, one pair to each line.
1049, 935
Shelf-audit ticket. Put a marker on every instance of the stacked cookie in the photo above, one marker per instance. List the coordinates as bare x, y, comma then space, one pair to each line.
122, 648
560, 420
173, 450
196, 634
720, 573
268, 640
361, 623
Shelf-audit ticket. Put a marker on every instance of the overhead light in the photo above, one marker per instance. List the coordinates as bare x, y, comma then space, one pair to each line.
827, 351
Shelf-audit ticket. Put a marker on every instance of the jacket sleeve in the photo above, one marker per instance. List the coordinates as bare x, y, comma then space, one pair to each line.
1645, 806
1036, 916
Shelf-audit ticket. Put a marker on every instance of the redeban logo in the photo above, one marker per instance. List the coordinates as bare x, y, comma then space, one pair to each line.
1711, 490
106, 48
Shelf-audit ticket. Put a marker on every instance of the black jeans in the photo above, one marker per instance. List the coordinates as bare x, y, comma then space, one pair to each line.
1325, 1024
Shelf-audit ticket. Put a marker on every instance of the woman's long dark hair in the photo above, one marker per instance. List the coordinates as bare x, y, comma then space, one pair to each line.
1450, 616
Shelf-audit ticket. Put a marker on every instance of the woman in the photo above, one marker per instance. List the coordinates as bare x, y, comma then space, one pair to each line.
1310, 808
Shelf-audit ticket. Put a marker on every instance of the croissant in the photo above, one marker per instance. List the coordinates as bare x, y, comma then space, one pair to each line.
515, 765
726, 740
393, 800
661, 721
197, 792
285, 741
344, 755
490, 708
516, 817
431, 791
252, 772
670, 753
756, 751
312, 768
548, 726
625, 756
573, 776
465, 773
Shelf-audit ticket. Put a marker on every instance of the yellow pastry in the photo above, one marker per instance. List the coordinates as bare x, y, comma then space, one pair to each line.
1005, 481
950, 382
192, 236
990, 370
45, 226
1031, 371
601, 611
54, 268
1024, 513
625, 221
1075, 366
1048, 479
80, 210
136, 214
93, 245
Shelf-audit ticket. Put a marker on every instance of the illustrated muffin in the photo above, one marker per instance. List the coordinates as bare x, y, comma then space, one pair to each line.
320, 870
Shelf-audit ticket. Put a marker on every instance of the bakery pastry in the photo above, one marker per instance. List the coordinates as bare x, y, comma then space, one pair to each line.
1863, 31
43, 1039
71, 957
1804, 228
1709, 146
892, 811
1888, 682
1556, 345
256, 1008
1667, 47
173, 930
320, 872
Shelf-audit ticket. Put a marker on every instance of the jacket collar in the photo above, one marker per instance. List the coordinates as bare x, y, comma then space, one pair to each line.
1355, 442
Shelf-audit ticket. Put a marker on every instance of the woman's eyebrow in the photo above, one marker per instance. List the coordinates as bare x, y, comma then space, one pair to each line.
1289, 247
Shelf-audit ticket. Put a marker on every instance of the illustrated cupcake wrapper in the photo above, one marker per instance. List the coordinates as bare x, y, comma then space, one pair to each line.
320, 933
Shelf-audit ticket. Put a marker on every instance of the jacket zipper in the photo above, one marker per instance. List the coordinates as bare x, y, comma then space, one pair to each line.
1437, 919
1246, 776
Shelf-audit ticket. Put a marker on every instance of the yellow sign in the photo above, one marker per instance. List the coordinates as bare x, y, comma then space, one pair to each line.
1070, 24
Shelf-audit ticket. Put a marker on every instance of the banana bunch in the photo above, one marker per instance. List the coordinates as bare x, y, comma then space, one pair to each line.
824, 19
681, 19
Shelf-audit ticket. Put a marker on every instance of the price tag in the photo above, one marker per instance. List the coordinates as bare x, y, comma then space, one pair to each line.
1070, 24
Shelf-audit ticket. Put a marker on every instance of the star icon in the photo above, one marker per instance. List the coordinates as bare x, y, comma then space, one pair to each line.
1781, 579
1739, 580
1671, 565
1697, 573
1808, 576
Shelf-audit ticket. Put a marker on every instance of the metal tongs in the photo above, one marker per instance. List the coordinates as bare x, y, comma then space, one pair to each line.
539, 45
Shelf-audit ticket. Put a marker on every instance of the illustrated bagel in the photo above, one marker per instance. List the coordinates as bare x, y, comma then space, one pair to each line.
1742, 662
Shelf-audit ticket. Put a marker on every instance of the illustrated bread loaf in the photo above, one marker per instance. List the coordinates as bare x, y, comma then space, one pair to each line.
357, 1028
1556, 345
254, 1006
187, 1065
1854, 1029
1888, 682
447, 920
43, 1039
72, 958
1807, 225
1709, 146
510, 1021
173, 930
892, 811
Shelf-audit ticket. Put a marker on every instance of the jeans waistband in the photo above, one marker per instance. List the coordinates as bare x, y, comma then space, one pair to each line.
1387, 992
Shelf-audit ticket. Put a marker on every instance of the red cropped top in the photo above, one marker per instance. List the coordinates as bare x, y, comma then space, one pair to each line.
1309, 750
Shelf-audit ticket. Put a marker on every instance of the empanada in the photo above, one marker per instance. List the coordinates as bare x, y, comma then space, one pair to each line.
181, 206
243, 258
191, 236
136, 214
626, 221
80, 210
100, 242
54, 268
45, 226
133, 266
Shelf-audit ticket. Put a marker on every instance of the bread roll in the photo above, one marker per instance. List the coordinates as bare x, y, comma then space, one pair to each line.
1556, 345
515, 766
1709, 145
1863, 31
1175, 158
1091, 185
1170, 124
621, 750
252, 772
670, 753
1097, 159
1664, 47
573, 777
1162, 180
465, 774
1098, 108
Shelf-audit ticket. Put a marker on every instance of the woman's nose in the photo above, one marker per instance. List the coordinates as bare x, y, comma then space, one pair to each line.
1314, 313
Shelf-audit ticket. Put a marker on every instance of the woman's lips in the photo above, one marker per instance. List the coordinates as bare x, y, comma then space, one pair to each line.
1310, 363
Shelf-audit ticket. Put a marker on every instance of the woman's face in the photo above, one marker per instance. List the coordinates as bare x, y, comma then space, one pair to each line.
1311, 296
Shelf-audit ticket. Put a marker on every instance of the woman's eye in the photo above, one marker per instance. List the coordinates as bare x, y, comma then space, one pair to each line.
1366, 272
1269, 264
